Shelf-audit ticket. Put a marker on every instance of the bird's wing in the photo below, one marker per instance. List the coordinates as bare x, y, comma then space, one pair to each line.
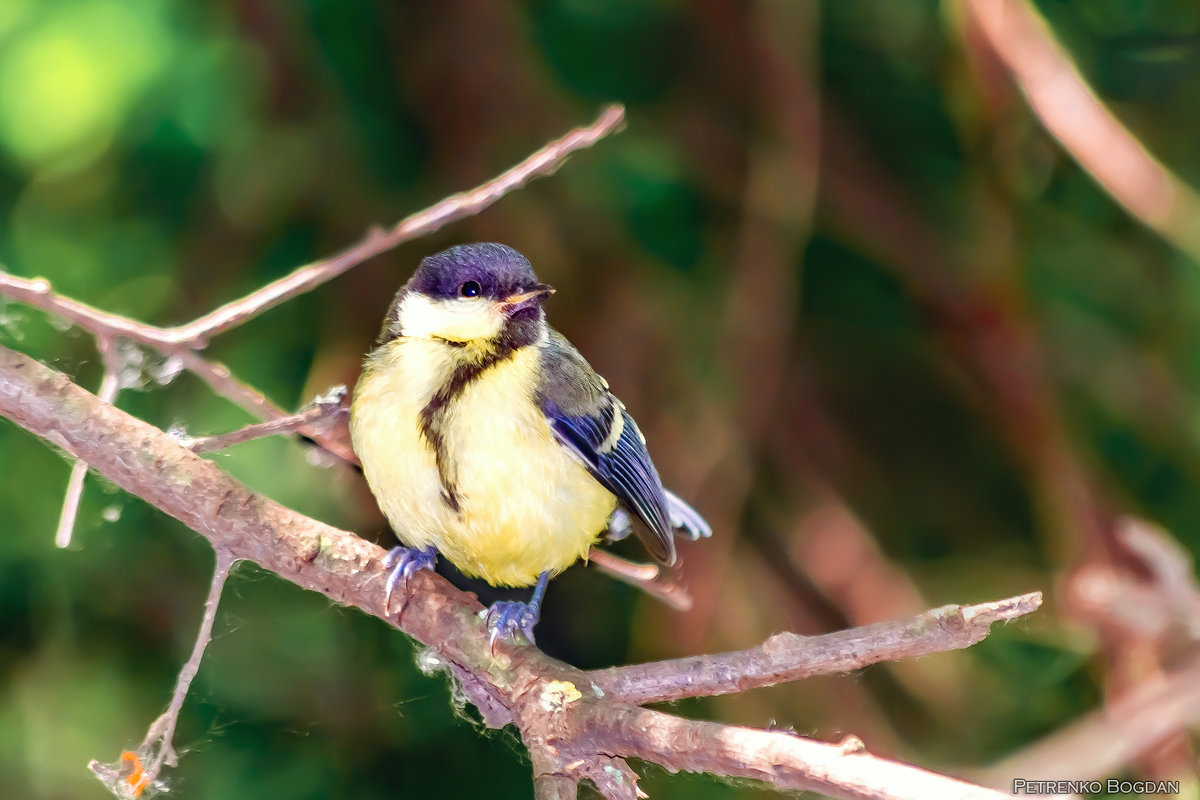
594, 427
685, 521
624, 468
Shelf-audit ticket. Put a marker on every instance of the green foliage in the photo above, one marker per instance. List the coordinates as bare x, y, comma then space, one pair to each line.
158, 158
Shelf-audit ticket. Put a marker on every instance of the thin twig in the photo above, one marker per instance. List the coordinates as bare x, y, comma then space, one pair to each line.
104, 326
220, 379
157, 749
790, 657
108, 327
110, 385
647, 577
70, 507
196, 334
310, 417
632, 572
162, 731
39, 293
185, 341
545, 161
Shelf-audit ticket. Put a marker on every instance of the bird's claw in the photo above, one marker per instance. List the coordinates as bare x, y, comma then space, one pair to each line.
506, 618
404, 563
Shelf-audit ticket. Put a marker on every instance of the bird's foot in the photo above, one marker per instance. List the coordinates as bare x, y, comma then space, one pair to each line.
507, 618
404, 563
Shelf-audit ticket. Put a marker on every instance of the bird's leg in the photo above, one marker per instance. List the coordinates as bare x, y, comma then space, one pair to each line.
506, 617
404, 563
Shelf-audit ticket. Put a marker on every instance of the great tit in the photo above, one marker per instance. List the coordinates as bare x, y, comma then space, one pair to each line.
484, 435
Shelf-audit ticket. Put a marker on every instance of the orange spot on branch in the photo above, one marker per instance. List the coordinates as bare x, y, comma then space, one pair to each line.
137, 778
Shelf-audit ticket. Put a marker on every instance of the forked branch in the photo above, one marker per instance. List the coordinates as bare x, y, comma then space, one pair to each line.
580, 732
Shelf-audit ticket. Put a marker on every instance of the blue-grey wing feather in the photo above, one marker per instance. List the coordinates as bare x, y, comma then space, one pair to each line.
685, 521
625, 470
582, 413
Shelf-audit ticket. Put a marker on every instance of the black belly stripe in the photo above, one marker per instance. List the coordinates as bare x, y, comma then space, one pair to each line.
519, 331
434, 413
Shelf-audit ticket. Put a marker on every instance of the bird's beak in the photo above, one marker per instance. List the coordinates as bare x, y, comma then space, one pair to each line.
516, 302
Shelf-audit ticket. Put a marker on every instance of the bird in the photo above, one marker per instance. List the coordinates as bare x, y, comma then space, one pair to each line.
485, 436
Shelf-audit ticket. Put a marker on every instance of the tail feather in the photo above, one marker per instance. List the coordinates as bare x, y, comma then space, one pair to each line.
686, 521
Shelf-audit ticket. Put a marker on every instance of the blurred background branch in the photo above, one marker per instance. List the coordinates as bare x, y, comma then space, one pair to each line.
903, 295
1091, 133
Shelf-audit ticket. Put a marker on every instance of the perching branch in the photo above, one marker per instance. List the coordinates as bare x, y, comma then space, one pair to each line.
575, 730
184, 343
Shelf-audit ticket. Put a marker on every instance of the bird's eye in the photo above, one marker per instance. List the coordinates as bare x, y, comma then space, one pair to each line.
470, 289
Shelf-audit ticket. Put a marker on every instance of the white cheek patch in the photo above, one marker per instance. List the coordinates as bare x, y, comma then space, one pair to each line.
459, 320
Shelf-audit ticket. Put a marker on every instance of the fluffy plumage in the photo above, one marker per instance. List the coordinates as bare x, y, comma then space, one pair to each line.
485, 434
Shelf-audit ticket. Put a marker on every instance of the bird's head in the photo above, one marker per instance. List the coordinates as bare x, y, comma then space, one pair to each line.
471, 294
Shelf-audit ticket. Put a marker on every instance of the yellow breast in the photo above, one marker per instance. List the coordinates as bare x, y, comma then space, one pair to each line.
525, 505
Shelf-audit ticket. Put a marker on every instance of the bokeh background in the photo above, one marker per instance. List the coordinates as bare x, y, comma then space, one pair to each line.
882, 330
